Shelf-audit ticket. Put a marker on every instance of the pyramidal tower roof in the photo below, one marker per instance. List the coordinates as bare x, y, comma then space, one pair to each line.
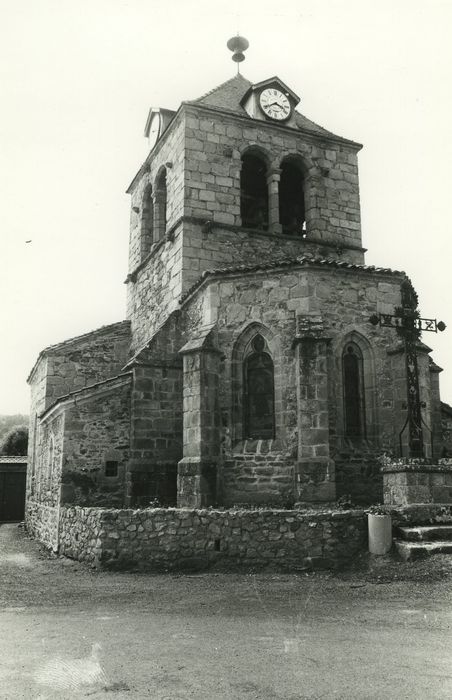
228, 96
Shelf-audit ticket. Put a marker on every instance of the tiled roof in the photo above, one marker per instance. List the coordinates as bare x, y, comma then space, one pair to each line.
4, 459
301, 260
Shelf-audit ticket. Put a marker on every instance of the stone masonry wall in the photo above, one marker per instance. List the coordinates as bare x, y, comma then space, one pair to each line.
408, 481
161, 539
203, 185
259, 471
156, 433
65, 368
213, 148
154, 284
97, 431
342, 301
156, 420
43, 482
86, 360
42, 522
169, 150
154, 292
37, 405
45, 485
209, 247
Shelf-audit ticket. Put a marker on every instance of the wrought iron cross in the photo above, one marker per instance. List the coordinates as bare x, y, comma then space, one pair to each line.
408, 324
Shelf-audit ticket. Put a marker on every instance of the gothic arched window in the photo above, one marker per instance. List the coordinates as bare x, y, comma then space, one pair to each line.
254, 192
291, 199
259, 392
160, 206
354, 409
147, 222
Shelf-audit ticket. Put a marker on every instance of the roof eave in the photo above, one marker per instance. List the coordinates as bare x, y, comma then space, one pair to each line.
272, 80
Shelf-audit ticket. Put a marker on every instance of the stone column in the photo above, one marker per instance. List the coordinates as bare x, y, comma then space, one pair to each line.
314, 473
273, 179
197, 470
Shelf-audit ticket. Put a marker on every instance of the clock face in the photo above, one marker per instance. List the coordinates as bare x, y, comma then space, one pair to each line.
154, 129
275, 104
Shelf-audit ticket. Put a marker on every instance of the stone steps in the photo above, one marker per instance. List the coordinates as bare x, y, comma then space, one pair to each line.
426, 532
423, 541
410, 551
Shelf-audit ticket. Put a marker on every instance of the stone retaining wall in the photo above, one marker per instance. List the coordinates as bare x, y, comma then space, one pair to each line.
42, 522
166, 539
420, 514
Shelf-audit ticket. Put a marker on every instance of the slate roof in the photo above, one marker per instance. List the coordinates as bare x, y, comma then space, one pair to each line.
301, 260
86, 389
227, 97
229, 94
75, 339
4, 459
445, 408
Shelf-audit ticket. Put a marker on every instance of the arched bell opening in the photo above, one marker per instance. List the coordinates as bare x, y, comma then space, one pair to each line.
160, 205
147, 222
292, 214
254, 192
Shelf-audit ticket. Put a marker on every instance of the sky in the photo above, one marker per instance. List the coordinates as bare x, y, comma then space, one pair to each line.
77, 81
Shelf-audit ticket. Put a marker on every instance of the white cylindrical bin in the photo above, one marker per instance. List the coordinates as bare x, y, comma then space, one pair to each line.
380, 533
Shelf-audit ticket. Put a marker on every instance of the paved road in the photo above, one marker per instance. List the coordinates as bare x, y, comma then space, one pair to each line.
69, 632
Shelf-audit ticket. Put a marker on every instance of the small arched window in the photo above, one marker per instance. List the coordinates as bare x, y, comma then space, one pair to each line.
354, 408
160, 206
254, 192
147, 222
259, 392
291, 199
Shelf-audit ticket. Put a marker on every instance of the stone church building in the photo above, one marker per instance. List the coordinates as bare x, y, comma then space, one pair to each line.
246, 370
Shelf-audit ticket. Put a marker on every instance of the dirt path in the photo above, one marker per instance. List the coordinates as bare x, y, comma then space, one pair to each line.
69, 632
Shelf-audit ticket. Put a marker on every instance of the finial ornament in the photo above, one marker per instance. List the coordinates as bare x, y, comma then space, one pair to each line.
238, 44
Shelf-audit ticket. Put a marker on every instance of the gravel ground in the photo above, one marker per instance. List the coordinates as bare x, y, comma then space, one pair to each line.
378, 629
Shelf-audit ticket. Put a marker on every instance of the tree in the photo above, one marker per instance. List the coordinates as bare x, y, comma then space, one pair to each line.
15, 442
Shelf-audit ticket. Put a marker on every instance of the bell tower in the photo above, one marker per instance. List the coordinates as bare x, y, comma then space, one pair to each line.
235, 177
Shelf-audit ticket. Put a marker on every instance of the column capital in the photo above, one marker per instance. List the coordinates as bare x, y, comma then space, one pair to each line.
273, 175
